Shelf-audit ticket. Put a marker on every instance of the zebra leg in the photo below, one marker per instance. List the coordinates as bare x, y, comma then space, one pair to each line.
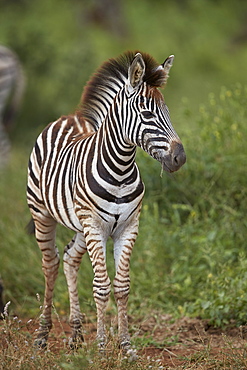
122, 251
72, 259
101, 281
45, 232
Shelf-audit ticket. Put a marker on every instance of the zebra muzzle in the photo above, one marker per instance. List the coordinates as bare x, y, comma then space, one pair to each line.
175, 159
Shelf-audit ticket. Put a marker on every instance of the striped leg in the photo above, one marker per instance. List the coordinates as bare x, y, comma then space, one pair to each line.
45, 232
72, 259
101, 282
122, 252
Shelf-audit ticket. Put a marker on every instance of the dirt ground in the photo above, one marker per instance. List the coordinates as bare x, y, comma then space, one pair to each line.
174, 343
194, 341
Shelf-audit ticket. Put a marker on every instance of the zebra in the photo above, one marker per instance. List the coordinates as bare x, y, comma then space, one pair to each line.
11, 81
82, 174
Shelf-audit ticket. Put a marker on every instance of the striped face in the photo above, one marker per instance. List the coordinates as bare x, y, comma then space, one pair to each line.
156, 134
151, 127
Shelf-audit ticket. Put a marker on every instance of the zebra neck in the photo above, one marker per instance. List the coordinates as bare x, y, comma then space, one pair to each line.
114, 159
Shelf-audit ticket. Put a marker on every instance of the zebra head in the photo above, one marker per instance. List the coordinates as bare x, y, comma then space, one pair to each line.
152, 129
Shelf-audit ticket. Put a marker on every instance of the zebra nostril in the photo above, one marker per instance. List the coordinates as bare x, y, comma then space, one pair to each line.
176, 159
179, 157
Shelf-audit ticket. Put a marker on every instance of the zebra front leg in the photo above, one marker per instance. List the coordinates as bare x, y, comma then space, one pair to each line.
72, 259
101, 281
121, 292
45, 232
122, 251
101, 292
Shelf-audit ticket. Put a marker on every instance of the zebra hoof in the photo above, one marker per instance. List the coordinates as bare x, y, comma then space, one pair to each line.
41, 341
76, 341
125, 345
101, 344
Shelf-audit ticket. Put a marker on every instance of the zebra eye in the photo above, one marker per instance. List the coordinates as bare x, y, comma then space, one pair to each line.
147, 114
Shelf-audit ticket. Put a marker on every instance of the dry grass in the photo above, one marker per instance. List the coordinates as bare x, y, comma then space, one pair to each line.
192, 346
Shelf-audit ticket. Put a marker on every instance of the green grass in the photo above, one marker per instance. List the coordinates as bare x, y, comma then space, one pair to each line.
190, 255
197, 221
189, 258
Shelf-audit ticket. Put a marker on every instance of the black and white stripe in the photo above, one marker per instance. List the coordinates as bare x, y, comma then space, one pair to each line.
82, 174
11, 82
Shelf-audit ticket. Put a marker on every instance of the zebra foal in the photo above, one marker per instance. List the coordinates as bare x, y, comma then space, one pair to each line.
82, 174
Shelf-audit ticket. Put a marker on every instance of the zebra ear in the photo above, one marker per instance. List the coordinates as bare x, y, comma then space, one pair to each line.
168, 63
166, 66
136, 71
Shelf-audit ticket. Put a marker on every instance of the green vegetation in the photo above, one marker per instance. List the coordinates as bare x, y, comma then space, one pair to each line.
197, 222
190, 257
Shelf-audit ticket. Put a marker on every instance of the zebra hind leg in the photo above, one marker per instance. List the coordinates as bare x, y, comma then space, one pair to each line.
73, 253
45, 231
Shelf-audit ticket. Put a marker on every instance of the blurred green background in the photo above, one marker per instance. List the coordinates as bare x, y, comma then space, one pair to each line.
190, 256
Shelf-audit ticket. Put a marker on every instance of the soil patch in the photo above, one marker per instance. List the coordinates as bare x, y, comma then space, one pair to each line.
193, 341
175, 344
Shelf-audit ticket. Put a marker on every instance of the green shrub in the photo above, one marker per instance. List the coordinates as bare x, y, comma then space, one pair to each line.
194, 248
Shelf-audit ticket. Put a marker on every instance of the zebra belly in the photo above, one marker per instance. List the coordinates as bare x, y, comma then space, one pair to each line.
58, 200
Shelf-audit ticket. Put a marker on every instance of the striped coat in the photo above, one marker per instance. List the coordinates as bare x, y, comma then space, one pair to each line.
82, 174
12, 84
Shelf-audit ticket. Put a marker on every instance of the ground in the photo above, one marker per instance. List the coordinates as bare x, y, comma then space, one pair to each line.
194, 341
188, 343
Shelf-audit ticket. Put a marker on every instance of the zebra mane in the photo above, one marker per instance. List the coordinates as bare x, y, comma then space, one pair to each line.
103, 86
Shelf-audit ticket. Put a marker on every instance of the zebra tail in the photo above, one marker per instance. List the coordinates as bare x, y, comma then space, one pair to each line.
30, 228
